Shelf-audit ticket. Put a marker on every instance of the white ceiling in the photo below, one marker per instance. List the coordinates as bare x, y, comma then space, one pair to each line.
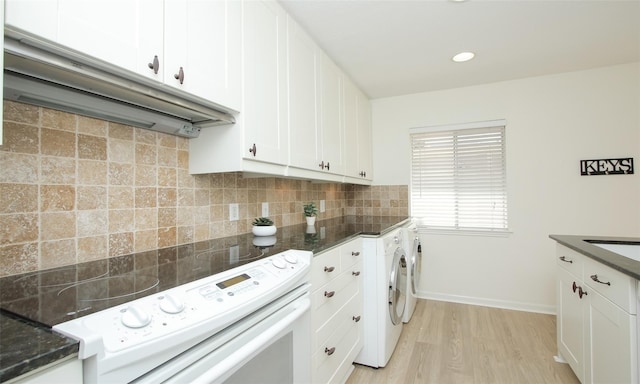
396, 47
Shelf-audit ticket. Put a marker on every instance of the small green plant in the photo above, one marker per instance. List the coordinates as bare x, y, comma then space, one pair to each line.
262, 222
310, 209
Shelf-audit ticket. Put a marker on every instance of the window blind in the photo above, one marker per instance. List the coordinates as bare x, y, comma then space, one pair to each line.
458, 178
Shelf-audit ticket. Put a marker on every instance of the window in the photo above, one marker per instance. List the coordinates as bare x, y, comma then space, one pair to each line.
458, 177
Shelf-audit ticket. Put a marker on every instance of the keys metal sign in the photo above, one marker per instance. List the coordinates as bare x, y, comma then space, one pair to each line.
606, 167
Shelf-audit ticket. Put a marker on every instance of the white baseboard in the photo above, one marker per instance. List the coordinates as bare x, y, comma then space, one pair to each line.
514, 305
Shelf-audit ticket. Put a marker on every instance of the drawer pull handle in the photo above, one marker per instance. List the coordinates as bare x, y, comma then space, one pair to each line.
329, 269
566, 260
595, 278
581, 292
329, 351
356, 318
355, 273
355, 253
329, 293
574, 287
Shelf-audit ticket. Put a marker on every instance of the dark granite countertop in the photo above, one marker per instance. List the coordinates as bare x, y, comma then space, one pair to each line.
583, 245
31, 303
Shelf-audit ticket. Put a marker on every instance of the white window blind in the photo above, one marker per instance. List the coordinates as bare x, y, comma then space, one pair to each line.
458, 178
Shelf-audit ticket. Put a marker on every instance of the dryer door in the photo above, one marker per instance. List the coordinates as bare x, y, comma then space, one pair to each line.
397, 284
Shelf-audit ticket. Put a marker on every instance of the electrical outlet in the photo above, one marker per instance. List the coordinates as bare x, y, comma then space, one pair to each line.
234, 254
265, 209
234, 212
321, 205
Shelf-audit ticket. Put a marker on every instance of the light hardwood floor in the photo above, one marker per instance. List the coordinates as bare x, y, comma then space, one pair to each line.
457, 343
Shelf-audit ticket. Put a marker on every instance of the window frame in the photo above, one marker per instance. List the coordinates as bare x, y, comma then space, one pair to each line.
428, 226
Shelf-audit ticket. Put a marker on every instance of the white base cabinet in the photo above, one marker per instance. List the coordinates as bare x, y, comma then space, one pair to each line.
64, 371
336, 312
596, 325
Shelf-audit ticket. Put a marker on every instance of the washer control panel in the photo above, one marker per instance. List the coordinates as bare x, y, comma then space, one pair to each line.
220, 295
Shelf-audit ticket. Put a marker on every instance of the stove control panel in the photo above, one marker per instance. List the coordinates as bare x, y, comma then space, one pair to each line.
225, 296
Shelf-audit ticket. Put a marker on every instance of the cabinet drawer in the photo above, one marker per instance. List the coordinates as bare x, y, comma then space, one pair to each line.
569, 260
345, 337
612, 284
338, 292
325, 267
351, 253
351, 311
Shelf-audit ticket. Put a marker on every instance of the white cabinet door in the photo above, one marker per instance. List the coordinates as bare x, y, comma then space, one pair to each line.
351, 132
611, 351
121, 32
203, 48
330, 139
264, 106
357, 133
20, 14
303, 119
365, 141
570, 322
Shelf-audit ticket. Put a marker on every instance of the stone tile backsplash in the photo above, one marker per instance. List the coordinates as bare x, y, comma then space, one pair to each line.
75, 189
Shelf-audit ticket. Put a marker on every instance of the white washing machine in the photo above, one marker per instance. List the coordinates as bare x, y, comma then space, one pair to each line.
414, 269
384, 285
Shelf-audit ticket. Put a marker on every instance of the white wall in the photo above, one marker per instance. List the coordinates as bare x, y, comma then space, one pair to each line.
552, 123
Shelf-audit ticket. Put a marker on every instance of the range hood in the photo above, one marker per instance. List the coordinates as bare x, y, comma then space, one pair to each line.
46, 74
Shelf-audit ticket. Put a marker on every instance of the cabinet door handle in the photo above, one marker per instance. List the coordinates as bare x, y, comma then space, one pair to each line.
327, 166
356, 318
329, 293
574, 287
355, 253
180, 75
329, 351
253, 150
329, 269
355, 273
595, 278
566, 260
321, 165
155, 65
581, 292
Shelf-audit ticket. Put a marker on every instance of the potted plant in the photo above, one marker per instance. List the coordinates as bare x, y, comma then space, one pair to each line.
263, 226
310, 212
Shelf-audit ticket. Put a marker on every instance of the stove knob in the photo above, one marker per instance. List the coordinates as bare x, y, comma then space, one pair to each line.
278, 263
171, 304
291, 258
134, 317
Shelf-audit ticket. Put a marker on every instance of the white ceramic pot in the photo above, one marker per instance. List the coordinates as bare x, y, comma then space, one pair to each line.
311, 220
264, 230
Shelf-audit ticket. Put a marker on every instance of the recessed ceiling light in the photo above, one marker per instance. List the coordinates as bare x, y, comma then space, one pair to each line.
463, 56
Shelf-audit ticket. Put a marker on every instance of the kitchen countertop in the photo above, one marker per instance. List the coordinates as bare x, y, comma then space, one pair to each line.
581, 244
27, 315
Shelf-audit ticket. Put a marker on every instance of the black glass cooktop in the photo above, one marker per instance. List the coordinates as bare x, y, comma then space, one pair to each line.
61, 294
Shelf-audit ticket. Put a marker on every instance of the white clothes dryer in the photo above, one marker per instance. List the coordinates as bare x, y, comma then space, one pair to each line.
384, 287
414, 269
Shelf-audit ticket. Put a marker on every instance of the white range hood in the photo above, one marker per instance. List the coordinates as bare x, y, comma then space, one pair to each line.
43, 73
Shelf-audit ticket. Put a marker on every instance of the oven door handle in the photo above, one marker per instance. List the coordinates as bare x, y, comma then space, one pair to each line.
227, 366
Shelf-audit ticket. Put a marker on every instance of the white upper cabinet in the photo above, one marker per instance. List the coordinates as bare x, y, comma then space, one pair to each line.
130, 42
330, 132
315, 109
303, 106
202, 49
258, 142
154, 38
357, 135
264, 107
